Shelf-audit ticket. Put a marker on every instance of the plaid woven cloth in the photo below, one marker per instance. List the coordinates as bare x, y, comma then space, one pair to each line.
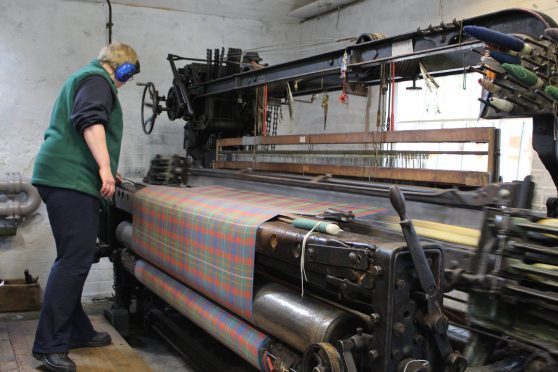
205, 236
228, 329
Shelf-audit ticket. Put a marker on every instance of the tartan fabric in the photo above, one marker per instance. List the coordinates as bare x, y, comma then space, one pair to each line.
228, 329
205, 236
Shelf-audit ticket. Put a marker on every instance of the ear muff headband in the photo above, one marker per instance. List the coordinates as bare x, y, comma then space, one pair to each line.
125, 71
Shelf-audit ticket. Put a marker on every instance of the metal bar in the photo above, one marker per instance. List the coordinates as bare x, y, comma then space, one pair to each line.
481, 135
475, 199
424, 43
351, 152
432, 176
492, 157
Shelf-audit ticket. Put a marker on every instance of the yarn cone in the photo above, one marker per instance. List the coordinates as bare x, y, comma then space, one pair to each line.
498, 38
505, 57
523, 75
552, 91
502, 104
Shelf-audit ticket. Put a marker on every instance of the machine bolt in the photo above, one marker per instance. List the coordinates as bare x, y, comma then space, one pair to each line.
376, 270
373, 355
359, 331
419, 339
407, 350
401, 284
375, 318
310, 252
399, 328
353, 258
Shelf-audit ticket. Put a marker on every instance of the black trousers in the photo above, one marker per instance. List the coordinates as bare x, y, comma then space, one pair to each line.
74, 219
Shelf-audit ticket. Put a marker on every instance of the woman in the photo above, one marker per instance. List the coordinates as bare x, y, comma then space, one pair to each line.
75, 168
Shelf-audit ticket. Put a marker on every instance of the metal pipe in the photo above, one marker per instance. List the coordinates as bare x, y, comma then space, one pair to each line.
123, 234
300, 322
13, 184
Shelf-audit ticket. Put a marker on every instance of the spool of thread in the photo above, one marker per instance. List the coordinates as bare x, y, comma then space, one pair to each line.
490, 74
492, 64
498, 38
551, 33
524, 76
552, 91
503, 57
502, 104
489, 86
323, 227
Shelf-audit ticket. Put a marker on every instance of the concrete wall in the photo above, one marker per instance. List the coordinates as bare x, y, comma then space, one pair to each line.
41, 43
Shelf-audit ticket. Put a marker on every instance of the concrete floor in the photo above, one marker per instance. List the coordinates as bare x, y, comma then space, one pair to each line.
151, 348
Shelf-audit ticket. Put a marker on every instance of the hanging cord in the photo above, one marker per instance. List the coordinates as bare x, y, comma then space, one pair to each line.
302, 254
343, 97
109, 23
392, 108
264, 114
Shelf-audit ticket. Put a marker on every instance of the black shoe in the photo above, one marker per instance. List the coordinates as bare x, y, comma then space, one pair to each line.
59, 362
100, 339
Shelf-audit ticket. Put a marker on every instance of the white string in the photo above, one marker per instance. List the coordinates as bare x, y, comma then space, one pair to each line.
424, 363
303, 251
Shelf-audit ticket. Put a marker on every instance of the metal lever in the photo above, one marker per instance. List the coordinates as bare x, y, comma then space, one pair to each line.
433, 319
425, 276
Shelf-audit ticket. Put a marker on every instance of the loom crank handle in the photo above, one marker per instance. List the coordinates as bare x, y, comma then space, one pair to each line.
433, 318
425, 276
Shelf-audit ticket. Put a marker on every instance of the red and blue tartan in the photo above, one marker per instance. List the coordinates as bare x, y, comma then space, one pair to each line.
205, 236
228, 329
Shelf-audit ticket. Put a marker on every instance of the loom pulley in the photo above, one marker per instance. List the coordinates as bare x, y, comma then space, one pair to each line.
322, 357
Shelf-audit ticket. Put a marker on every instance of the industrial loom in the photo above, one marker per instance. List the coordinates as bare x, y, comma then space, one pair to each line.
298, 267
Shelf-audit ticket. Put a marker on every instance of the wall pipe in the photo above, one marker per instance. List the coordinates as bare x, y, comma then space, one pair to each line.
12, 184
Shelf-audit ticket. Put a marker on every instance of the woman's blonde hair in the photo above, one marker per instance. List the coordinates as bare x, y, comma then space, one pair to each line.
116, 54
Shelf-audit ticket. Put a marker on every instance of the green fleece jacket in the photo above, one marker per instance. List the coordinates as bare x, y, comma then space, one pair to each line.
64, 159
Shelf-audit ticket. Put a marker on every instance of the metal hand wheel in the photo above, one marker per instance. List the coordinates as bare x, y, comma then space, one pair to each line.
150, 107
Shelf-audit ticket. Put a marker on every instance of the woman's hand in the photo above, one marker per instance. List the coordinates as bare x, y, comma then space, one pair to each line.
108, 182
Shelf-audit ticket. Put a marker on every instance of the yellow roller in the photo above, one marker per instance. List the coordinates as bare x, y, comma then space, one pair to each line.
439, 231
552, 222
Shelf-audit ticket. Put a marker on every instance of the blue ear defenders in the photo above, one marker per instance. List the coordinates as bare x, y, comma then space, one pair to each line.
125, 71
